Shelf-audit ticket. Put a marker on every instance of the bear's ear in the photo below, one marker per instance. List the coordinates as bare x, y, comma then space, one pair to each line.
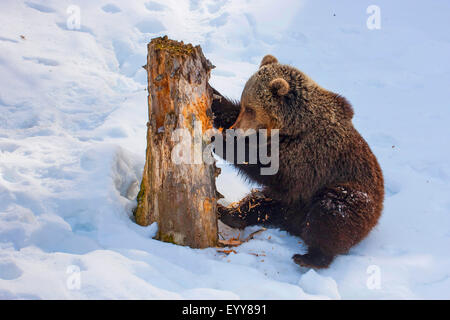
279, 86
268, 59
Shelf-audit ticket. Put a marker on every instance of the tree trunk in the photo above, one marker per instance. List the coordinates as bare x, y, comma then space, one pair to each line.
181, 198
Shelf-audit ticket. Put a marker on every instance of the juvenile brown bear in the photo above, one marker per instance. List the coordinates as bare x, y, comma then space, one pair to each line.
329, 187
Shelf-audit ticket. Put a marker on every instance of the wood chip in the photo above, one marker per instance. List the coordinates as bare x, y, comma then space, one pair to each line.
227, 252
253, 234
235, 242
230, 242
257, 254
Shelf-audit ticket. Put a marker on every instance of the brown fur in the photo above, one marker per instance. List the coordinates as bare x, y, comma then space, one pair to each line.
329, 188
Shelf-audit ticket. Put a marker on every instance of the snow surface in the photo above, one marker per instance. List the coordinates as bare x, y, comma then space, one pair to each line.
72, 142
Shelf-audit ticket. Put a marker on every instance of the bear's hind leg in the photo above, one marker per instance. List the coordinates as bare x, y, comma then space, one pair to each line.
338, 218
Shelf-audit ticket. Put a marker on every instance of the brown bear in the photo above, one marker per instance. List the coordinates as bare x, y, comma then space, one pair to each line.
329, 187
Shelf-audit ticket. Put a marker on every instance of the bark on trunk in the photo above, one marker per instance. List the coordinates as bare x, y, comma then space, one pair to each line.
181, 198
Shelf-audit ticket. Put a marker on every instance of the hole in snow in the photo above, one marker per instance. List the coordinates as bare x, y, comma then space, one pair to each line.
9, 271
44, 61
39, 7
111, 8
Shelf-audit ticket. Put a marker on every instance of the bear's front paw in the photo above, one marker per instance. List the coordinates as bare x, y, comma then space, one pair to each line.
230, 218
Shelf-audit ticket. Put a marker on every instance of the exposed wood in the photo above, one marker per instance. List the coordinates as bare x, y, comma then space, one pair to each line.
181, 198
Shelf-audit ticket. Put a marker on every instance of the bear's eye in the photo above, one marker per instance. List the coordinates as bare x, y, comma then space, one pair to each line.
249, 110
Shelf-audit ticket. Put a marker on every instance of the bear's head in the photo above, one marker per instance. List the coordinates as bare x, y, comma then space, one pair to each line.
282, 97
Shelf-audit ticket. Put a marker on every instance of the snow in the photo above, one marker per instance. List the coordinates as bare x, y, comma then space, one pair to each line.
72, 146
319, 285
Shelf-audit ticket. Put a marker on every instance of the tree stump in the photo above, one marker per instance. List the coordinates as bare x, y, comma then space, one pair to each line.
180, 197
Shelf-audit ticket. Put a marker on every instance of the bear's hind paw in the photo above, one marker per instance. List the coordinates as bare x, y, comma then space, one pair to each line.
313, 260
